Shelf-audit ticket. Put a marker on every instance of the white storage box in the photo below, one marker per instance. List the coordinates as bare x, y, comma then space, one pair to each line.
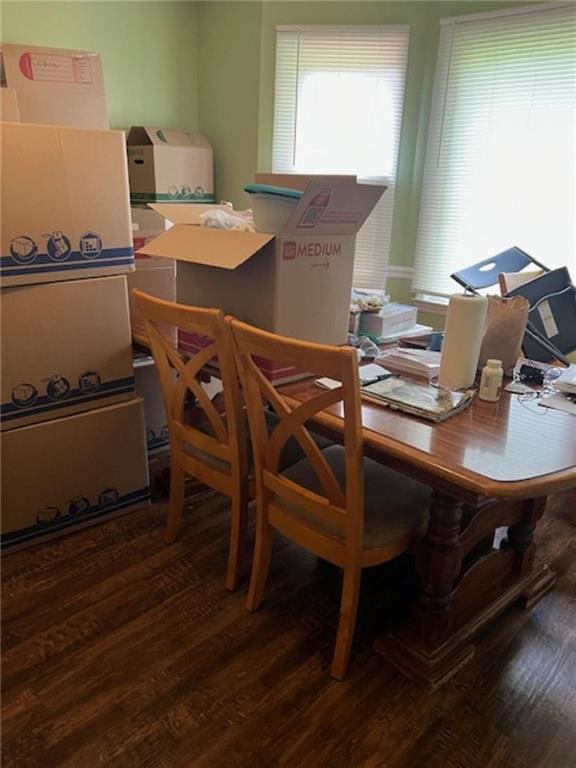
169, 165
272, 209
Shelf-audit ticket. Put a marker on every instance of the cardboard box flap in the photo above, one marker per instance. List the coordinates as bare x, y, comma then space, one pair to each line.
328, 208
25, 67
143, 135
222, 248
185, 213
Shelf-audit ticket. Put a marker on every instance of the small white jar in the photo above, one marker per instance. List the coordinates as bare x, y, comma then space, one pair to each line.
491, 381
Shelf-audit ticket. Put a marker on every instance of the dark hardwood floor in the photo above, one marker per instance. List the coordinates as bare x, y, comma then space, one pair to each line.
120, 651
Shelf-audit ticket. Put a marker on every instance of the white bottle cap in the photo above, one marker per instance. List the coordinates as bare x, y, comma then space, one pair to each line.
494, 363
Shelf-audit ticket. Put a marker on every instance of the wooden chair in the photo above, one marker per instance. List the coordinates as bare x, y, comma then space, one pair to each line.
345, 508
212, 450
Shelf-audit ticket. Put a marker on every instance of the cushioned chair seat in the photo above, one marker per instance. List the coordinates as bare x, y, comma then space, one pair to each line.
394, 505
291, 453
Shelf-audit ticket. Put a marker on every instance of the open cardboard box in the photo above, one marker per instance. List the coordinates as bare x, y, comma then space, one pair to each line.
296, 283
55, 86
65, 210
146, 225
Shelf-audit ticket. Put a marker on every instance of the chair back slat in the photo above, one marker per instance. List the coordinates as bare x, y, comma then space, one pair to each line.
312, 503
291, 424
339, 505
180, 378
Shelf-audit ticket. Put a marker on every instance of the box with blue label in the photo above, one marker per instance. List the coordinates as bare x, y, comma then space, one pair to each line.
65, 208
65, 348
73, 472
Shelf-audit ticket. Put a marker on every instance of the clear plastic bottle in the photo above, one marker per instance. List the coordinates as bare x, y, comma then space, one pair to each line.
491, 381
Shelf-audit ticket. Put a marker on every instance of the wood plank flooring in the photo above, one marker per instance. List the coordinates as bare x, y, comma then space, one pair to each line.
120, 651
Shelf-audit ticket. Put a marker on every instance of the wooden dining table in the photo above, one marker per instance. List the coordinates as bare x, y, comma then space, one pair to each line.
491, 468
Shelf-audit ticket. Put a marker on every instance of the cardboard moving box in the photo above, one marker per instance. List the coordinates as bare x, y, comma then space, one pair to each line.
297, 283
9, 112
65, 208
159, 282
65, 348
149, 389
173, 166
146, 225
56, 86
69, 473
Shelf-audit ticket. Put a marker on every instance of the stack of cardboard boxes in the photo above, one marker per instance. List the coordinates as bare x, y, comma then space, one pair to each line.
73, 442
170, 166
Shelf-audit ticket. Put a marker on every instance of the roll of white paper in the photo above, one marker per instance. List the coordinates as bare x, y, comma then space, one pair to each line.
462, 340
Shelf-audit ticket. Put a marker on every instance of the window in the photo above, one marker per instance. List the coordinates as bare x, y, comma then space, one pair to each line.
338, 110
500, 167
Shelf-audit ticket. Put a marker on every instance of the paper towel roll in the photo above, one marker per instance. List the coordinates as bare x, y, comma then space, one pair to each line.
462, 340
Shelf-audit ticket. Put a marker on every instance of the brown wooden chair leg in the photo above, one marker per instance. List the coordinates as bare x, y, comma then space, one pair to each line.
237, 547
176, 503
347, 623
261, 564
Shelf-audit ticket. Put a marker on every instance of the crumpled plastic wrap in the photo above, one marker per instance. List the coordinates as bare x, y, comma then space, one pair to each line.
220, 219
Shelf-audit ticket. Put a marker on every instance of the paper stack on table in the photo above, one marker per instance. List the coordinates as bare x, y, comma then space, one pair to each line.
416, 362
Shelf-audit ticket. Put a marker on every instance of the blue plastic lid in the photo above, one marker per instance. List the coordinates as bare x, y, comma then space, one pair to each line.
267, 189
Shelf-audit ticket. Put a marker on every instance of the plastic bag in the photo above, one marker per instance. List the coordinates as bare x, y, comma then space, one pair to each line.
219, 219
504, 331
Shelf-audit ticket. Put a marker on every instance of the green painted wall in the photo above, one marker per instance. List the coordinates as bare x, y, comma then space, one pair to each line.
229, 91
148, 52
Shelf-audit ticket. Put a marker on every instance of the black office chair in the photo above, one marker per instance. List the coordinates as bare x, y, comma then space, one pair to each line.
484, 274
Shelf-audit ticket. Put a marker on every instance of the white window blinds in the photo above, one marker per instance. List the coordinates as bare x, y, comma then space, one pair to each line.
500, 167
338, 105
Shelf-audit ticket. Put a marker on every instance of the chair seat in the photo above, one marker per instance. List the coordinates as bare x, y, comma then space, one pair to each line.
291, 453
394, 505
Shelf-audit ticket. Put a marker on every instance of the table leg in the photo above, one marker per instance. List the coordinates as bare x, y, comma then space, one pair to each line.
418, 650
438, 565
520, 538
463, 587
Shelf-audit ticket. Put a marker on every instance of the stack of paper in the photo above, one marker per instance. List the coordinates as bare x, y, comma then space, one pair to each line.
423, 400
416, 362
391, 319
